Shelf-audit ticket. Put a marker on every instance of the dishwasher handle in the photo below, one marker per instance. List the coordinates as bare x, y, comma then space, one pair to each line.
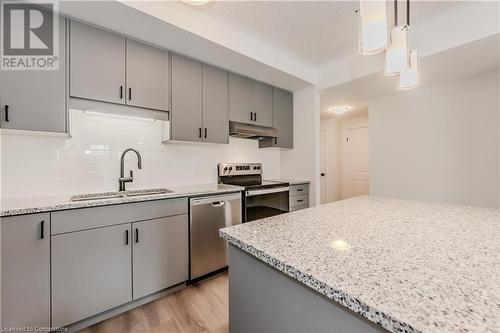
214, 200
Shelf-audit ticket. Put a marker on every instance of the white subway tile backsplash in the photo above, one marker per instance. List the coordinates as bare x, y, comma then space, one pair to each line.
89, 161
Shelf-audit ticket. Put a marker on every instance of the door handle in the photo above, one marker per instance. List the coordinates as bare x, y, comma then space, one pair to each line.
6, 113
42, 229
322, 174
137, 235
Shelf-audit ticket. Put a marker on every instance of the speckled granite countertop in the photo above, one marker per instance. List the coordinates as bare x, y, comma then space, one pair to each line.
21, 206
409, 266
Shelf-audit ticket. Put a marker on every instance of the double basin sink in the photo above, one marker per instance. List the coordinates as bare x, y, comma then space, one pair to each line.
119, 194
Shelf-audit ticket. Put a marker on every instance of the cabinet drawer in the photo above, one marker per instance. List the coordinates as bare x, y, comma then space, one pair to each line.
88, 218
296, 208
299, 190
299, 200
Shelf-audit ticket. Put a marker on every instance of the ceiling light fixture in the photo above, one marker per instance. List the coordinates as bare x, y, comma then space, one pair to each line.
373, 39
373, 26
340, 109
396, 56
196, 2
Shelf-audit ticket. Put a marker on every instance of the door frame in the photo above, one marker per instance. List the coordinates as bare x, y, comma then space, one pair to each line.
324, 131
345, 125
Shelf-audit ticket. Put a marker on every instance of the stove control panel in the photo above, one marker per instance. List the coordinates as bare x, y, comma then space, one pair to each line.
236, 169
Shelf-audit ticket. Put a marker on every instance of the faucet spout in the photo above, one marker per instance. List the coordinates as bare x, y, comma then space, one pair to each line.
122, 180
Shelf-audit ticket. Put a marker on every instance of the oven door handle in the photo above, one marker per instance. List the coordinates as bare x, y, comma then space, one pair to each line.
251, 193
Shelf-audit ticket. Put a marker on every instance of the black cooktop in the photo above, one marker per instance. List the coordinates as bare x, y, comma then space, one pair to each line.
252, 183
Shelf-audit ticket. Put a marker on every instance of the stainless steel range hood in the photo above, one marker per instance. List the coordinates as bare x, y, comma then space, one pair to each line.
249, 131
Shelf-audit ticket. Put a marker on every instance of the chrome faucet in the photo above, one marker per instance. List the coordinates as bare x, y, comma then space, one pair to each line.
122, 180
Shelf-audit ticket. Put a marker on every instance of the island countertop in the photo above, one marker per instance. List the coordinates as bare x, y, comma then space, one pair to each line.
409, 266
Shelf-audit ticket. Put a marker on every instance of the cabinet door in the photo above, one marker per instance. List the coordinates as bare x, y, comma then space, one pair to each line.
186, 99
91, 272
147, 76
262, 104
282, 120
215, 105
160, 254
26, 271
240, 99
35, 100
97, 64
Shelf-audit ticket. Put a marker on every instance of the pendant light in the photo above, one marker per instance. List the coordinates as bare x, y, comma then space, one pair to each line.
397, 54
373, 27
408, 76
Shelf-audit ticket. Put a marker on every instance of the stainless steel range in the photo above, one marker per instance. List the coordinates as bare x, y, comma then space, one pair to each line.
262, 198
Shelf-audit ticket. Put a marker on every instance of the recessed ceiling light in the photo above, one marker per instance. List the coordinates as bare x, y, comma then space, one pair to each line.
340, 109
196, 2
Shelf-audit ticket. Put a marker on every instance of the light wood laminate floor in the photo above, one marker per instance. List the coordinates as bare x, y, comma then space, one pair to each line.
201, 307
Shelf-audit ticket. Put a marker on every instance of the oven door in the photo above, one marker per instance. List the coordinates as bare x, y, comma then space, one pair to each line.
266, 203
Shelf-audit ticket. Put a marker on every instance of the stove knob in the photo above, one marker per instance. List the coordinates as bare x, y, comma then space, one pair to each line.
255, 168
230, 168
258, 168
225, 169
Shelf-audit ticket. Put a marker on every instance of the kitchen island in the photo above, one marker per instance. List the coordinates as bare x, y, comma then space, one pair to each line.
367, 264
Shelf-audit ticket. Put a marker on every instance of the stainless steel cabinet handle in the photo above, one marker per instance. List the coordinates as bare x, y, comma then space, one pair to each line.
206, 133
6, 112
136, 235
251, 116
218, 204
126, 237
300, 200
121, 92
300, 189
199, 132
254, 116
129, 93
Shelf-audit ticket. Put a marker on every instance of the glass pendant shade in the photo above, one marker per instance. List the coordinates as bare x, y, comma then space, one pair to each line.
408, 77
373, 27
396, 56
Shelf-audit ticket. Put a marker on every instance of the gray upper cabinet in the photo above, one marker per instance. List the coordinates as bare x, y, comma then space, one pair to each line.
282, 120
215, 105
26, 271
262, 104
186, 99
91, 272
240, 98
35, 99
147, 76
250, 101
97, 64
160, 254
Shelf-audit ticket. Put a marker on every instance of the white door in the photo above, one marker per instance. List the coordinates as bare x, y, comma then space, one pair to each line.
356, 175
323, 164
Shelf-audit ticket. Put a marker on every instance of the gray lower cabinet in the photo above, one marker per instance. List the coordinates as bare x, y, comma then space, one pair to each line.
35, 99
91, 272
282, 120
160, 254
215, 105
299, 197
186, 99
25, 283
147, 76
97, 64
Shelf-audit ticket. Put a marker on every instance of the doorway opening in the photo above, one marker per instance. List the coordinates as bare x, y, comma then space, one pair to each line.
344, 155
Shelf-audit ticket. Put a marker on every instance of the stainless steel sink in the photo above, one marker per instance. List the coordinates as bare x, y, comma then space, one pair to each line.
119, 194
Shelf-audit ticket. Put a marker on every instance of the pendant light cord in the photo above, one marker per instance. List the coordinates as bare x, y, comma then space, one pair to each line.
395, 13
408, 12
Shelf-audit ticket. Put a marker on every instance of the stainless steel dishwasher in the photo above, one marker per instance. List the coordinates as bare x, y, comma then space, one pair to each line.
209, 214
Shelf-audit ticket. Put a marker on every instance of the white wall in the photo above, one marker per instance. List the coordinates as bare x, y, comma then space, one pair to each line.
332, 129
302, 162
438, 143
34, 165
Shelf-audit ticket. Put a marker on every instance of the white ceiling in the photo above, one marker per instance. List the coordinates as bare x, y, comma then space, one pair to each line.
479, 57
314, 32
